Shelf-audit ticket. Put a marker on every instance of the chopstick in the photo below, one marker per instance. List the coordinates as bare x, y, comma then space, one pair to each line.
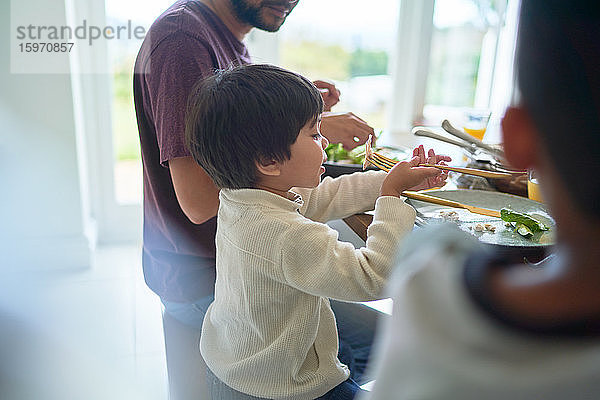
475, 172
450, 203
384, 163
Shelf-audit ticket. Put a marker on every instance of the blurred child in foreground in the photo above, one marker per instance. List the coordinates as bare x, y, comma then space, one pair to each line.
470, 325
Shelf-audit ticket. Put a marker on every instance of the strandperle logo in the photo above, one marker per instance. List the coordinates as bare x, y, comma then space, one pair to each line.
83, 31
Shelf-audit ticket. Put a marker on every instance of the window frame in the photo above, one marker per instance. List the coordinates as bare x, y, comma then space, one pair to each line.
106, 220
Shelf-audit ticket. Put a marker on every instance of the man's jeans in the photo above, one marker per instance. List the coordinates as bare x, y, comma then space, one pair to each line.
190, 314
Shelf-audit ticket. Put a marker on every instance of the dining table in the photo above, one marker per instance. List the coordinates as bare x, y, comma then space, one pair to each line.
359, 224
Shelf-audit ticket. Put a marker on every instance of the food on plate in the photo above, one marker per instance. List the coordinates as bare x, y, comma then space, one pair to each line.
449, 215
484, 228
490, 228
525, 225
508, 215
337, 153
523, 230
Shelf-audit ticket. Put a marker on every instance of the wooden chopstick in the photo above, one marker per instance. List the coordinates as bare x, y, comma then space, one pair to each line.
382, 162
450, 203
473, 171
388, 162
377, 164
382, 157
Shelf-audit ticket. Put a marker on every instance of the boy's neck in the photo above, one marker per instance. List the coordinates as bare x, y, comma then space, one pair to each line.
286, 193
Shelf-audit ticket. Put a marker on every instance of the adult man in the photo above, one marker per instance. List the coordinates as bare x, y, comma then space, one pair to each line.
187, 42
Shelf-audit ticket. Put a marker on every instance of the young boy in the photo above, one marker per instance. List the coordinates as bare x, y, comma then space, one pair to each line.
271, 333
472, 325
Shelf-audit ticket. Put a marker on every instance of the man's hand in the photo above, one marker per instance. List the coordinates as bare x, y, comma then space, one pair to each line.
432, 158
330, 94
345, 128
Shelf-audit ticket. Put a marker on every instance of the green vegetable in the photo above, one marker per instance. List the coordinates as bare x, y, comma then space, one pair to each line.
530, 223
336, 152
523, 230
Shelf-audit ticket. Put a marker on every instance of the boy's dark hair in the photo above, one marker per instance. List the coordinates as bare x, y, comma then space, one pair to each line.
558, 69
247, 114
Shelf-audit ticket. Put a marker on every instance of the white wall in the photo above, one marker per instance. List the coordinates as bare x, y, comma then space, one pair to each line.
40, 207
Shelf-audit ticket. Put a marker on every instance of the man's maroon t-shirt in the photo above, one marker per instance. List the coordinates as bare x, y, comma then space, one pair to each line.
186, 43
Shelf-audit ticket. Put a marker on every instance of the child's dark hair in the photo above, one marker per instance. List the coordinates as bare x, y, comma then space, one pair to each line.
558, 69
247, 114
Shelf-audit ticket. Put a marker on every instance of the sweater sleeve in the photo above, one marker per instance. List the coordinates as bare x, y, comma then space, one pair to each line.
342, 196
315, 262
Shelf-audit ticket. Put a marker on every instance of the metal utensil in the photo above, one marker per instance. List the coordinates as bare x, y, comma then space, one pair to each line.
474, 152
424, 133
470, 139
479, 155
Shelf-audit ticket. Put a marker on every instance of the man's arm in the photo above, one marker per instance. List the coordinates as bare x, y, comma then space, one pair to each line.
196, 193
178, 63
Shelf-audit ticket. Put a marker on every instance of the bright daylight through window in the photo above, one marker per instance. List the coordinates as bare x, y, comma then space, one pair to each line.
463, 55
122, 53
350, 42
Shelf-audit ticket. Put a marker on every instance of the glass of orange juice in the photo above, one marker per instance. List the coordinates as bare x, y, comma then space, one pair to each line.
475, 123
533, 187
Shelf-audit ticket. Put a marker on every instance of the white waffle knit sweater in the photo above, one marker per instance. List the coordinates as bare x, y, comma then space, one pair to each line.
271, 332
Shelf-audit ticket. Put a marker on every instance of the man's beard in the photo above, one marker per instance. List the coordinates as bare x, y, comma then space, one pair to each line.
252, 15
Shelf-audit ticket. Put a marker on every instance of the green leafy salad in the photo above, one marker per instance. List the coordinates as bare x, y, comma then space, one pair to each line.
337, 153
524, 224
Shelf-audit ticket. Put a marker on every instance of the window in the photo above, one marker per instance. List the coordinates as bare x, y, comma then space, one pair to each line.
400, 63
463, 56
348, 42
122, 54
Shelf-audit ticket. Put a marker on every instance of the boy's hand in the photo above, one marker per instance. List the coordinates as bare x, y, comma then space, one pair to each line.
432, 158
407, 175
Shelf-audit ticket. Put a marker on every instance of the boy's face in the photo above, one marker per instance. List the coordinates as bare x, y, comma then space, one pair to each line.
305, 166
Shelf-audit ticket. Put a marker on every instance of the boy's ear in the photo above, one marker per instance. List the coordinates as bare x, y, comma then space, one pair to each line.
520, 138
268, 167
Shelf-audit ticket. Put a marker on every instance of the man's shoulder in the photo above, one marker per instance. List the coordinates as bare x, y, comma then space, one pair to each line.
184, 18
